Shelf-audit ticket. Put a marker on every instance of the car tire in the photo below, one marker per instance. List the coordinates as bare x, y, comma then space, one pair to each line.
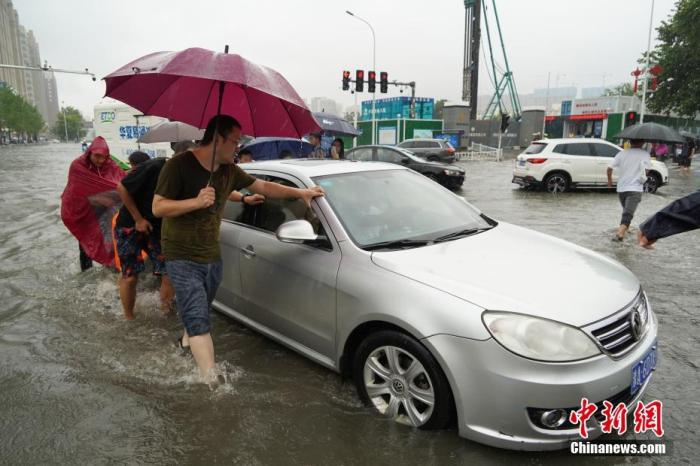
399, 378
557, 182
651, 185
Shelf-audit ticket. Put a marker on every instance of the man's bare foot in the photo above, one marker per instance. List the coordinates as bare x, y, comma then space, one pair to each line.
644, 241
129, 316
167, 307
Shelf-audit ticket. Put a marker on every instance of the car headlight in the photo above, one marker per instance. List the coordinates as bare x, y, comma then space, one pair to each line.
451, 172
540, 339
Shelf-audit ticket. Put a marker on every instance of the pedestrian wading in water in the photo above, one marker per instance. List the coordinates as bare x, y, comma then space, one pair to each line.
191, 210
632, 166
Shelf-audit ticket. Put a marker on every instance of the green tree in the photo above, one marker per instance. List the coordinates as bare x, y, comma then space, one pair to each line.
17, 115
73, 124
678, 53
437, 109
622, 89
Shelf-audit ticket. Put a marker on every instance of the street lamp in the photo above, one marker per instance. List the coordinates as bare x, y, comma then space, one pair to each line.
65, 125
646, 66
374, 68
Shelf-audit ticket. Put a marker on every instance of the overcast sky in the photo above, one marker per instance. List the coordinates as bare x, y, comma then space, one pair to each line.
310, 42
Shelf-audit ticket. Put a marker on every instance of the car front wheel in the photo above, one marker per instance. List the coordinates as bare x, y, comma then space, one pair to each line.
399, 377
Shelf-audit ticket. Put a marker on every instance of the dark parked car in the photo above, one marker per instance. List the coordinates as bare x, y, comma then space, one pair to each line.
435, 150
449, 176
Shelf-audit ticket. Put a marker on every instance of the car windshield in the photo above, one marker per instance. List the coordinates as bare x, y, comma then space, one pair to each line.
535, 148
393, 205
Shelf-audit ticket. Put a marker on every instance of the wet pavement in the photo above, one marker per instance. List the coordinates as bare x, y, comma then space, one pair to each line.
79, 384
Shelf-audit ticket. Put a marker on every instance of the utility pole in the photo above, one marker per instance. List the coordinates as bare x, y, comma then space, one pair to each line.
138, 130
546, 104
646, 66
470, 71
374, 68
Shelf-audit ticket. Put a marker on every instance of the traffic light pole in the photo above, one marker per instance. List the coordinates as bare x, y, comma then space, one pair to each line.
646, 68
48, 68
412, 85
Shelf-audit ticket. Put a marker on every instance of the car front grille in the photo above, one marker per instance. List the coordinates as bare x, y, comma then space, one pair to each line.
620, 333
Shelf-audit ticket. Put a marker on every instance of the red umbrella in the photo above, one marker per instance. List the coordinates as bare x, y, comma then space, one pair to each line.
192, 84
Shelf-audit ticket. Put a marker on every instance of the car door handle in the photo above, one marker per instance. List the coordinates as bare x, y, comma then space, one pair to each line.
248, 251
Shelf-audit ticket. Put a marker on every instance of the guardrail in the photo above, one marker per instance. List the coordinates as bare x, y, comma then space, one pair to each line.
480, 152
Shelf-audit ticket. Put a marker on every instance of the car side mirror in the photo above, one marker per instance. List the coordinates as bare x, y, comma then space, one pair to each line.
296, 231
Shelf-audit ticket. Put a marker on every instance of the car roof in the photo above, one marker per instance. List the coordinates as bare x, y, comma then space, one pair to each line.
381, 146
424, 139
319, 167
570, 140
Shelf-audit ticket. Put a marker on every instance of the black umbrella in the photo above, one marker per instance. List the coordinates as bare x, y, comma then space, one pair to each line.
653, 132
335, 125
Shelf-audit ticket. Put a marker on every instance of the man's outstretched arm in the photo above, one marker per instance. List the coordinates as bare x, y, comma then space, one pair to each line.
278, 191
678, 217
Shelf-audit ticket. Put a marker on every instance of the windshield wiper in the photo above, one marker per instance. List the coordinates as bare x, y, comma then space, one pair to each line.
460, 234
397, 244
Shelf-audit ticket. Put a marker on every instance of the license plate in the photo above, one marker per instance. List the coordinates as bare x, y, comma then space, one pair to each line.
521, 163
642, 370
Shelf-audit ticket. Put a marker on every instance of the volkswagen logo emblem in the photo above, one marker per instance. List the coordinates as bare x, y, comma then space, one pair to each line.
636, 324
398, 386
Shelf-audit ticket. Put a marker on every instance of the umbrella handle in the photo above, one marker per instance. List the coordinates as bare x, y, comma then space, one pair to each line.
215, 207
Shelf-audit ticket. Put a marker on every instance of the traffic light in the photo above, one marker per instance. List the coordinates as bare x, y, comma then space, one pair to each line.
383, 82
359, 80
631, 118
371, 81
346, 80
505, 121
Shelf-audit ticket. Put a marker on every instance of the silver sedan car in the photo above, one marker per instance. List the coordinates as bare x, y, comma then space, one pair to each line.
435, 310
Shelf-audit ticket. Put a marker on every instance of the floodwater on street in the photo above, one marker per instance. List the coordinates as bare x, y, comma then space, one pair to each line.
80, 385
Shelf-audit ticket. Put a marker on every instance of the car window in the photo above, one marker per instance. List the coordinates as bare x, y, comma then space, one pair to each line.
537, 147
388, 155
434, 144
363, 154
579, 148
407, 144
272, 213
239, 212
561, 148
605, 150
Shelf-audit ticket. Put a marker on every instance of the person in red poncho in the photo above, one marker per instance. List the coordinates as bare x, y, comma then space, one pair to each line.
88, 199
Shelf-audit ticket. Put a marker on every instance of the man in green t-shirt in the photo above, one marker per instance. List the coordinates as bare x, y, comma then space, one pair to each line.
191, 212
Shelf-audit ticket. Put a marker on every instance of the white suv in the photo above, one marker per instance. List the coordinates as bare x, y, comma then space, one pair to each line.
560, 164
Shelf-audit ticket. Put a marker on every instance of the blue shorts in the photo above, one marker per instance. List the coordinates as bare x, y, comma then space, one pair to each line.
195, 288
